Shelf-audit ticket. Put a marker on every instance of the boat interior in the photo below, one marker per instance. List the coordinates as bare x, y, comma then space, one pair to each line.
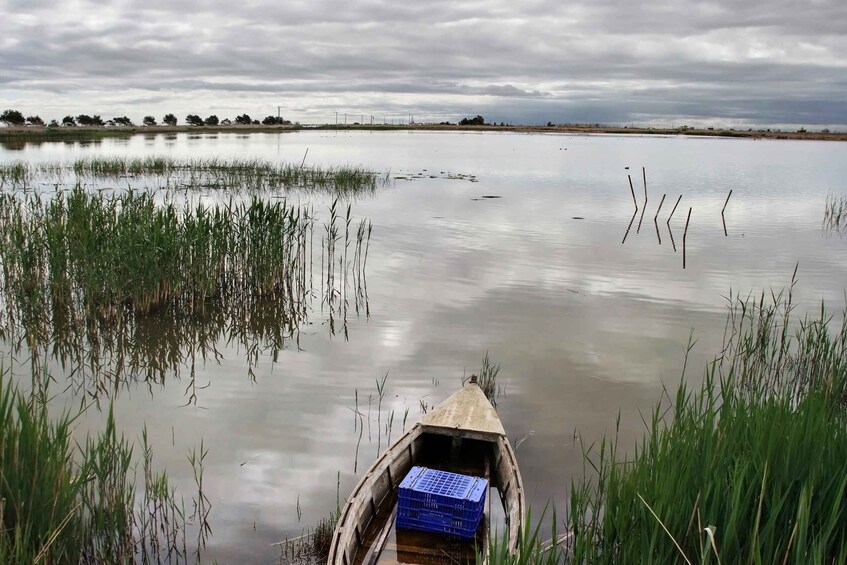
383, 543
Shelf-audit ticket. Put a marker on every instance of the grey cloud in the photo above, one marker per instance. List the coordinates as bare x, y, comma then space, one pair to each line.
607, 60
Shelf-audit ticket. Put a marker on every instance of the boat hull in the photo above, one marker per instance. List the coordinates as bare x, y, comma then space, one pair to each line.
367, 519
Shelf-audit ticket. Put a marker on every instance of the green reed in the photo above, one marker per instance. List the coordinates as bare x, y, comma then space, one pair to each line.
104, 254
835, 214
532, 548
114, 285
15, 173
488, 379
67, 502
205, 173
751, 467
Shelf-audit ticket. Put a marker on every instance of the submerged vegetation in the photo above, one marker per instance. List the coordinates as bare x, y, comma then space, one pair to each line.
206, 173
67, 503
751, 467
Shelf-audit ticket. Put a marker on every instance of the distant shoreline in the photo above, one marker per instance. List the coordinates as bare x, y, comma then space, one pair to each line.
86, 133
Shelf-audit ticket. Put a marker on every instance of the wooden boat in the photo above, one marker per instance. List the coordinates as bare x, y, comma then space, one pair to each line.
463, 434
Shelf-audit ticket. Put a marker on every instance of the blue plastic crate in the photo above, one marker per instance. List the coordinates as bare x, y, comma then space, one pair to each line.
437, 522
441, 501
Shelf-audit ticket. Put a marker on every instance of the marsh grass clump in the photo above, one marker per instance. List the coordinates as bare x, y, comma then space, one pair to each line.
199, 173
751, 467
123, 283
835, 214
322, 536
487, 379
15, 173
313, 546
62, 502
104, 254
533, 549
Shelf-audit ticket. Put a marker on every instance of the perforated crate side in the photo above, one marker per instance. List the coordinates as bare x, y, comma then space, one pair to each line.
465, 511
437, 522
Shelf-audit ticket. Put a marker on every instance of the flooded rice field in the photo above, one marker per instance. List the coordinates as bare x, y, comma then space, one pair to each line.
583, 265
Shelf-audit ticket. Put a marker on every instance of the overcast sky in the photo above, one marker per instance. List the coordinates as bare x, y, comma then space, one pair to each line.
669, 62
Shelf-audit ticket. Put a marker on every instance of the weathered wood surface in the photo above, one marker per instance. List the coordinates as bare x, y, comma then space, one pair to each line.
383, 476
508, 480
467, 413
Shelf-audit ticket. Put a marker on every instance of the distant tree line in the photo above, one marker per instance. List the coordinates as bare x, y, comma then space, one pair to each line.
476, 121
16, 118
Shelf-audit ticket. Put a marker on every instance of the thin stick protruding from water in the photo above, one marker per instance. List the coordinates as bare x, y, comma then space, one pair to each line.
674, 208
684, 235
633, 191
303, 162
727, 202
659, 209
644, 176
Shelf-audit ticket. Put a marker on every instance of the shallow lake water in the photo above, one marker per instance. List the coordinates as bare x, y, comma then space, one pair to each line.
527, 247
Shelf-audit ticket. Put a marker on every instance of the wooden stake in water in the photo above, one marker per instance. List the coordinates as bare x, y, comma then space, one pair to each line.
727, 202
629, 227
723, 219
684, 235
644, 176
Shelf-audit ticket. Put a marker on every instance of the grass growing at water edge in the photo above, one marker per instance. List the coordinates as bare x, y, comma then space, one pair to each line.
66, 504
751, 467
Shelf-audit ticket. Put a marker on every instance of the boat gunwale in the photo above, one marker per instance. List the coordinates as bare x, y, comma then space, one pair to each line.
376, 470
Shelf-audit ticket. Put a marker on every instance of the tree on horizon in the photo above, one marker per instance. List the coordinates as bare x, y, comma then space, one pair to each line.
169, 120
477, 121
86, 120
12, 118
275, 121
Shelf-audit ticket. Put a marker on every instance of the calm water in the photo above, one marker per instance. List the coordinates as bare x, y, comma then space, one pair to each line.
585, 326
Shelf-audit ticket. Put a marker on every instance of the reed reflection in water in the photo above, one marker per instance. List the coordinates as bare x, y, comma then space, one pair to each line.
118, 289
